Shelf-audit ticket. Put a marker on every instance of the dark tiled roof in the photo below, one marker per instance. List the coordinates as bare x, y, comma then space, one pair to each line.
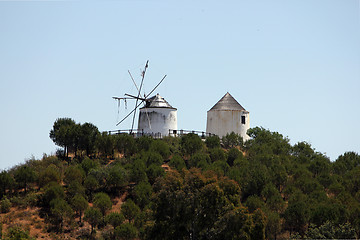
227, 102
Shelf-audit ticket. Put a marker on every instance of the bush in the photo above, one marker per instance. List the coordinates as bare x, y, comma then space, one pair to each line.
212, 141
125, 231
5, 205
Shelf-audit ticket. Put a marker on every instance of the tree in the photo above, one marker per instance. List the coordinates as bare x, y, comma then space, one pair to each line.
91, 184
103, 202
233, 154
53, 190
130, 210
115, 219
105, 144
79, 204
24, 175
142, 193
177, 162
87, 138
124, 143
60, 212
154, 171
232, 140
296, 215
191, 143
259, 220
74, 174
50, 174
93, 217
5, 205
234, 224
160, 147
125, 231
117, 177
212, 141
62, 133
17, 233
5, 182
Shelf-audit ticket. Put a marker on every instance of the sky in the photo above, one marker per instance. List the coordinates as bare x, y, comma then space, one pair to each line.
293, 64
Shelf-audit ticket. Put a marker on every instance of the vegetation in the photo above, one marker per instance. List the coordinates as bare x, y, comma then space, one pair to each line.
103, 186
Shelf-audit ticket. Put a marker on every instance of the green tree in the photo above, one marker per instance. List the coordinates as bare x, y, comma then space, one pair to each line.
142, 194
231, 140
233, 154
87, 164
62, 133
103, 202
296, 214
24, 175
191, 143
234, 224
138, 171
60, 212
105, 144
160, 147
259, 220
50, 174
93, 217
273, 226
87, 138
125, 231
177, 162
212, 141
154, 171
125, 144
5, 182
5, 205
117, 177
91, 184
79, 204
130, 210
74, 174
17, 233
115, 219
52, 191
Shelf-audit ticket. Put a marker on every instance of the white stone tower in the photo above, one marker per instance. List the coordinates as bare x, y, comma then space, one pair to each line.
227, 116
157, 117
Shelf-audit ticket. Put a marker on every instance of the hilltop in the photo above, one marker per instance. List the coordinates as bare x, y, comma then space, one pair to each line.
101, 186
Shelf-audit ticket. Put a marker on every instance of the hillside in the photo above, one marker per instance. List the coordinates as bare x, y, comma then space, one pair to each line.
102, 186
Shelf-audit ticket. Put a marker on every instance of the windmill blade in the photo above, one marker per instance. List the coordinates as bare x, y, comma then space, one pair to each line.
129, 113
133, 80
139, 93
134, 97
155, 87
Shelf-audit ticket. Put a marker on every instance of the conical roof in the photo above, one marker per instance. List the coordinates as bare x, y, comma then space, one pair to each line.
157, 102
227, 102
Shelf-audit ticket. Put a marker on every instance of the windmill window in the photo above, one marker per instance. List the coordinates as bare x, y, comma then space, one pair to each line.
243, 119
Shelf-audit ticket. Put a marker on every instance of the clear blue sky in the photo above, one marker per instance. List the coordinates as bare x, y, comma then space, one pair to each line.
294, 65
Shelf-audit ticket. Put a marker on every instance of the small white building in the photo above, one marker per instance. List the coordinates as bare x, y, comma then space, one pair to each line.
227, 116
157, 117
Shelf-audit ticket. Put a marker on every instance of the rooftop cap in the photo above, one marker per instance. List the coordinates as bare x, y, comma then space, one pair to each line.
227, 102
157, 102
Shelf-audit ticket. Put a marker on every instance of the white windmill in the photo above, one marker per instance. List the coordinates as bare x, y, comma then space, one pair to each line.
156, 117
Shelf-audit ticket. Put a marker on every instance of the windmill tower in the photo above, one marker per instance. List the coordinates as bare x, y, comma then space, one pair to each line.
156, 117
227, 116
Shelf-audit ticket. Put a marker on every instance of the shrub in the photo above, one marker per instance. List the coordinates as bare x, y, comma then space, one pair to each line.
5, 205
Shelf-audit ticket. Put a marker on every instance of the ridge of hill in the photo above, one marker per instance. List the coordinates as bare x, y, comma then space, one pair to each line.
105, 186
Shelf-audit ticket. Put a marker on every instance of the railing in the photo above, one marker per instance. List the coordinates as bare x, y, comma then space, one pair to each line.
172, 132
202, 134
135, 133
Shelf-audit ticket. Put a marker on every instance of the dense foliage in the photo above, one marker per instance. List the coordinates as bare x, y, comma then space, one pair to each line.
105, 186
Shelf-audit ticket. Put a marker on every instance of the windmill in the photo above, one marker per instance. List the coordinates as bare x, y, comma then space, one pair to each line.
156, 116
